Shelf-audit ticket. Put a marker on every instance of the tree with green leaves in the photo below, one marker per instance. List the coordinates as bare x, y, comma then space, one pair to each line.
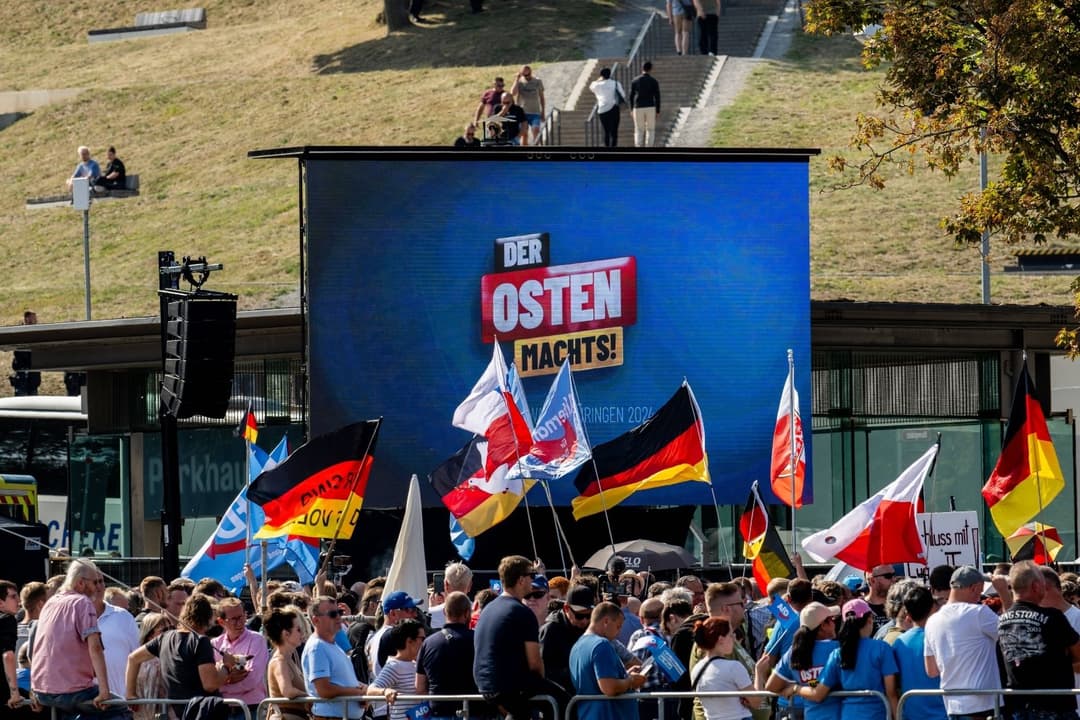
968, 76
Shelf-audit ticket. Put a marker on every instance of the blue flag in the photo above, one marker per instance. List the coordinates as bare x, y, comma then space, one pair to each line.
560, 444
464, 544
785, 615
222, 556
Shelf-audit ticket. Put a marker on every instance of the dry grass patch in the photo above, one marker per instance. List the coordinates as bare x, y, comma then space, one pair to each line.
866, 244
184, 110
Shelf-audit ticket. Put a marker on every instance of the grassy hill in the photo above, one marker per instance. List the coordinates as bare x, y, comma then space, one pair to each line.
867, 244
183, 111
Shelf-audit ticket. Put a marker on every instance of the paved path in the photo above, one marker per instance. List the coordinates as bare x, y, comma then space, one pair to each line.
615, 41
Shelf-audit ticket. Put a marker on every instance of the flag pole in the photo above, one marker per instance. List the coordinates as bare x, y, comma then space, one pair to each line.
349, 498
596, 471
517, 448
791, 448
1040, 533
262, 580
721, 545
559, 530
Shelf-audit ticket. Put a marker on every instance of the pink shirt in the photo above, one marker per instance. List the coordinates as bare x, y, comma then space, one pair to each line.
61, 662
252, 689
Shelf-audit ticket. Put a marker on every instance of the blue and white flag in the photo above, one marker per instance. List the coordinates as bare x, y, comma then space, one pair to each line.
785, 615
222, 555
464, 544
560, 444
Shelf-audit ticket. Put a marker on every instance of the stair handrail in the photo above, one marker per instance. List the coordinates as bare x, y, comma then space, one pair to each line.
644, 45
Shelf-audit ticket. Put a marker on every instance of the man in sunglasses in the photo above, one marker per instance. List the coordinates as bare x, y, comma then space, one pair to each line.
561, 630
879, 580
328, 671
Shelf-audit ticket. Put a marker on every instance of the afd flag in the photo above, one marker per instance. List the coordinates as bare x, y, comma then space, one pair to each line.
560, 445
222, 556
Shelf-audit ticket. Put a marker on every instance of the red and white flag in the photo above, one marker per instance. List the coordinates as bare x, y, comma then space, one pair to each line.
787, 479
490, 411
881, 530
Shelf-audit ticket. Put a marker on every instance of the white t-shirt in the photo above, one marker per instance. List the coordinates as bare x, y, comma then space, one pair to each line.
962, 639
438, 616
719, 674
120, 637
371, 649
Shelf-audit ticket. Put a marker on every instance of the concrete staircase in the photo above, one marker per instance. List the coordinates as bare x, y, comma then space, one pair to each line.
681, 78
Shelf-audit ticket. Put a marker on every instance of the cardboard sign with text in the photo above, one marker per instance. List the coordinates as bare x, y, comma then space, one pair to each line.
951, 538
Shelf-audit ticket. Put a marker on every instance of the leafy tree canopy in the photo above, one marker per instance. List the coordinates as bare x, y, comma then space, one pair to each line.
966, 76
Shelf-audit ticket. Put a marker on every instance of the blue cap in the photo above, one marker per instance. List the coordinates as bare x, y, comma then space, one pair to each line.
539, 582
397, 600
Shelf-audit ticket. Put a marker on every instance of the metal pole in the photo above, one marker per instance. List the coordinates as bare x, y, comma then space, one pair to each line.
86, 257
984, 250
791, 448
170, 450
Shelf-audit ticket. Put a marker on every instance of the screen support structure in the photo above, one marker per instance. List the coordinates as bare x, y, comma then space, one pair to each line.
169, 274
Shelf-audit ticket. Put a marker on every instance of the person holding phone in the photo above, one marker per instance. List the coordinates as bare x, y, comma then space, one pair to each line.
248, 648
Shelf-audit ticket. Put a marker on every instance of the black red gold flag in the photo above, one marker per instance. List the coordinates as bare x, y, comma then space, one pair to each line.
319, 490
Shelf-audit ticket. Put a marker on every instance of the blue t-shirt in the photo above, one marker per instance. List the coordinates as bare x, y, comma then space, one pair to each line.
874, 661
89, 169
631, 624
594, 657
780, 643
827, 709
500, 664
321, 659
909, 651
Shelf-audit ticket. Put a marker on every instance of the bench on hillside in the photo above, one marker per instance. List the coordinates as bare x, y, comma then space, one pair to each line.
130, 189
149, 24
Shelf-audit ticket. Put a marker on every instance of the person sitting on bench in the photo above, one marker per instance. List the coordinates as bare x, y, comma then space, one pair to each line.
87, 167
114, 176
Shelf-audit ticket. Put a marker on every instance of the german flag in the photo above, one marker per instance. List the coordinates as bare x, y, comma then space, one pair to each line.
667, 449
761, 543
319, 490
248, 428
460, 483
1027, 476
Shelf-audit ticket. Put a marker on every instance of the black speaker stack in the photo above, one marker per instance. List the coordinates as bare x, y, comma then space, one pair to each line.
200, 341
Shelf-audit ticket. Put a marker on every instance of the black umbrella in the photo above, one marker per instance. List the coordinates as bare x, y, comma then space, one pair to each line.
643, 555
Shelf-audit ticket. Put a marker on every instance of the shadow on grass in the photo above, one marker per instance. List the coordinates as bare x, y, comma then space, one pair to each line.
507, 32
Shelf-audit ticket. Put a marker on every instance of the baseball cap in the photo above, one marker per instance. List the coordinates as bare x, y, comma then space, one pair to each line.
853, 583
581, 599
856, 608
397, 600
815, 613
539, 583
966, 576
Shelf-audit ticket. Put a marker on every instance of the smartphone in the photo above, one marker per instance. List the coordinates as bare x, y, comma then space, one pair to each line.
437, 581
646, 666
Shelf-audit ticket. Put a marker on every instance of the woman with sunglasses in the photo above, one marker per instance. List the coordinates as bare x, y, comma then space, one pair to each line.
715, 673
802, 664
859, 663
187, 657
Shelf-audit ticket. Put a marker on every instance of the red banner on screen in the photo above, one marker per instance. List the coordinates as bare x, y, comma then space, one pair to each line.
559, 299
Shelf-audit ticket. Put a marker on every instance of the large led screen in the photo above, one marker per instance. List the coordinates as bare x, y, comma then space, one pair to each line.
644, 269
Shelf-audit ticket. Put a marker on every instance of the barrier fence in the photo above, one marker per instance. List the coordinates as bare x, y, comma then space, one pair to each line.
997, 695
264, 706
231, 702
661, 712
637, 697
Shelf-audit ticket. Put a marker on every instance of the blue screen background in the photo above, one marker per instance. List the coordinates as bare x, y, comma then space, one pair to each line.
396, 250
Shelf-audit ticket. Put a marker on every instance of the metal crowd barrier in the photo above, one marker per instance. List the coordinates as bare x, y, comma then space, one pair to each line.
658, 696
231, 702
264, 706
996, 694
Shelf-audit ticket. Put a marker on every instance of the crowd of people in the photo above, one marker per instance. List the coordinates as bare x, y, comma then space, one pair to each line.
515, 116
74, 645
